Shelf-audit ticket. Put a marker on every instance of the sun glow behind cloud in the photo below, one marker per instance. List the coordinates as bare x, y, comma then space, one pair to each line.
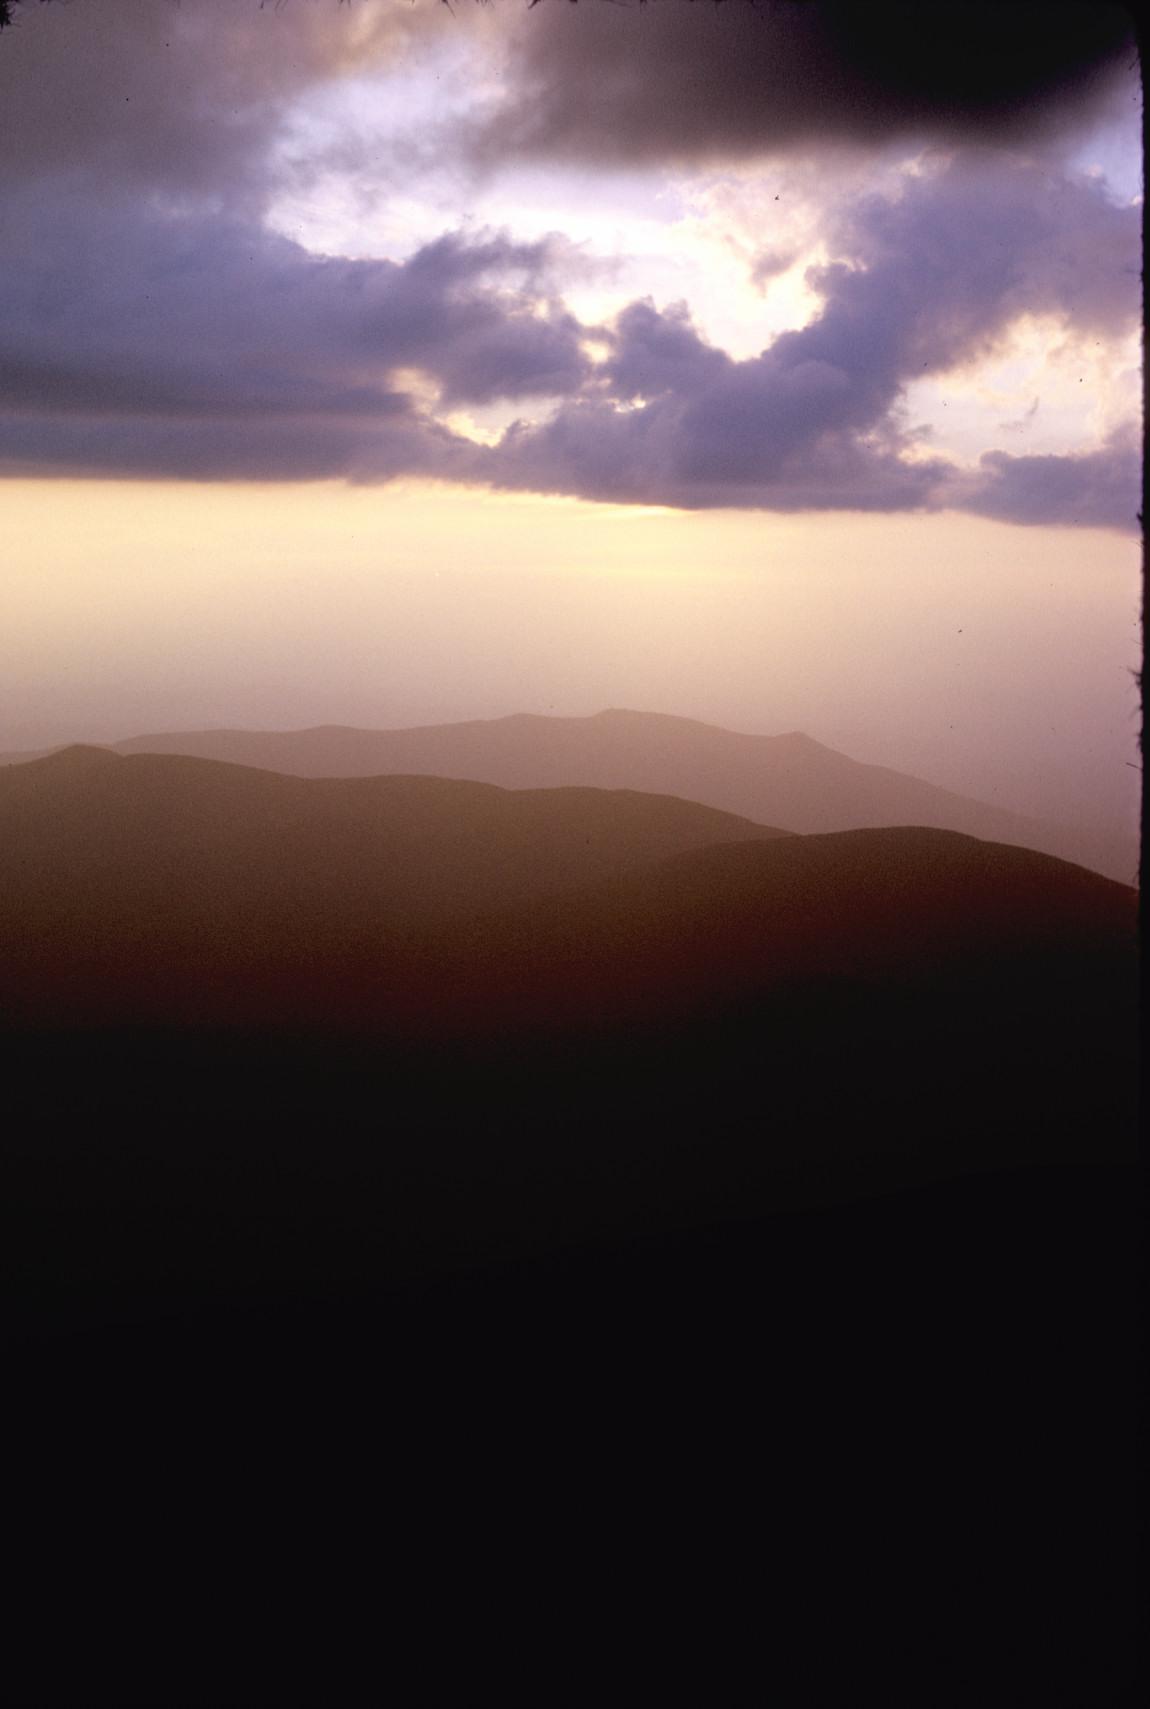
1044, 393
737, 243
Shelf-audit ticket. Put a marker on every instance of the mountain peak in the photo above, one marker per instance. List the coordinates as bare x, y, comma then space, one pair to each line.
631, 715
79, 756
800, 739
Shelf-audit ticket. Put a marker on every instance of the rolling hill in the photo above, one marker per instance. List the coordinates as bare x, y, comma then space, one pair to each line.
151, 881
533, 929
788, 780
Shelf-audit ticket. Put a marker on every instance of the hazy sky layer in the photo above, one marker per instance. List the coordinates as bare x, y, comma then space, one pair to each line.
386, 363
996, 661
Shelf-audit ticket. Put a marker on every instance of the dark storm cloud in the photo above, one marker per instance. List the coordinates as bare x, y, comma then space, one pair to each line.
671, 80
188, 94
131, 335
932, 280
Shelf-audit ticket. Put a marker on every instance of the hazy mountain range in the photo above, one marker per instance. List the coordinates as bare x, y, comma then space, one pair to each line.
790, 780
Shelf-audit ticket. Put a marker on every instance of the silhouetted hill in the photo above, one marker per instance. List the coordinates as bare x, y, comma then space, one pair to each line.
906, 906
197, 890
555, 1190
165, 890
154, 879
787, 780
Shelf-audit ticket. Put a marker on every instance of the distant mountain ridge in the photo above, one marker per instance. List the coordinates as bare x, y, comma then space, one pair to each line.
791, 780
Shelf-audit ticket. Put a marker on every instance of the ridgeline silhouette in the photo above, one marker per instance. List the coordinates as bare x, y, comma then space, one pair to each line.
789, 780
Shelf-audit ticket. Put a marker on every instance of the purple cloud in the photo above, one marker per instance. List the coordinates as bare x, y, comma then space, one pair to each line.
153, 325
932, 280
132, 335
1094, 489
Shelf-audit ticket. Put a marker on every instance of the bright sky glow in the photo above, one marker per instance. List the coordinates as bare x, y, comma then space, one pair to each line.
442, 479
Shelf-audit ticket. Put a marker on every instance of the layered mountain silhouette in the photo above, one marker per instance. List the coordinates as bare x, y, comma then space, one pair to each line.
270, 1032
582, 1170
788, 780
623, 944
153, 886
196, 888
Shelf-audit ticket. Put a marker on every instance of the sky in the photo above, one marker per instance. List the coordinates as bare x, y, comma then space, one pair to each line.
391, 361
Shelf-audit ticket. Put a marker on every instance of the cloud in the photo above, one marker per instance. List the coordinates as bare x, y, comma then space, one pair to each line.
655, 352
930, 280
153, 325
183, 96
145, 338
131, 335
654, 457
769, 264
1093, 489
186, 448
1024, 421
622, 84
190, 95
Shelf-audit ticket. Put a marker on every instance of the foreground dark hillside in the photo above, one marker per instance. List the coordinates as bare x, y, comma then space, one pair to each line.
605, 1254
